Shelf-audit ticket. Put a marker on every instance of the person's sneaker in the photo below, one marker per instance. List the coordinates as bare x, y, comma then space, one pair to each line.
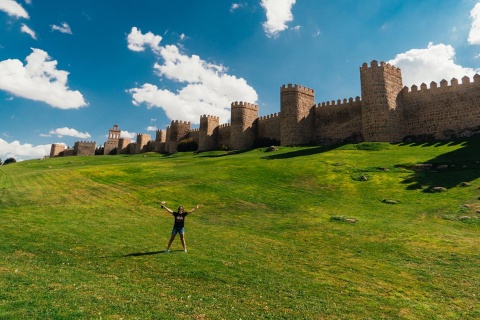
167, 251
185, 250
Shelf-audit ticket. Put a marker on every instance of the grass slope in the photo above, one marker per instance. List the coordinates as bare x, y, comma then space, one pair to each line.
83, 237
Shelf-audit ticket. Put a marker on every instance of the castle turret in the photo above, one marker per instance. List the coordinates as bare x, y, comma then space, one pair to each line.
56, 149
208, 135
110, 147
296, 122
178, 130
160, 138
84, 148
142, 143
243, 118
381, 85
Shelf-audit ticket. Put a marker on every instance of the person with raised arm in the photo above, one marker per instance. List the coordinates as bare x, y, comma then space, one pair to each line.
179, 225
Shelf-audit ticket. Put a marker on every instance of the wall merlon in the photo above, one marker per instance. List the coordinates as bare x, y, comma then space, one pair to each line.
241, 104
466, 81
374, 64
346, 102
209, 117
297, 88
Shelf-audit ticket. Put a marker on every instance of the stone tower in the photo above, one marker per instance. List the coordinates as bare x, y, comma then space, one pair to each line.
381, 117
178, 130
142, 142
110, 147
56, 149
160, 138
296, 122
243, 130
208, 135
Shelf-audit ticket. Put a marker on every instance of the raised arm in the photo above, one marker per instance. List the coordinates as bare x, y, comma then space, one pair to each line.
196, 207
168, 209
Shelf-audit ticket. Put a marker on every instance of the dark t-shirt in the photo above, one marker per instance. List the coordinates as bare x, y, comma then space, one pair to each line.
179, 219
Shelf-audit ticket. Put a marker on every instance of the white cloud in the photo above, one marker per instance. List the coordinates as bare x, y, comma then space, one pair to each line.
474, 35
151, 128
13, 9
63, 28
278, 13
39, 80
235, 6
138, 41
28, 1
434, 63
60, 132
129, 135
208, 88
297, 28
22, 151
26, 29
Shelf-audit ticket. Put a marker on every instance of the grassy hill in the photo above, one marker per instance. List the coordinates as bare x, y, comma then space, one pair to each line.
350, 232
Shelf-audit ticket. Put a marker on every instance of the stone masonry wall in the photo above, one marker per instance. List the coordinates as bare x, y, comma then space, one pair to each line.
380, 84
243, 131
268, 127
338, 121
178, 131
84, 148
442, 111
208, 135
386, 112
296, 121
224, 135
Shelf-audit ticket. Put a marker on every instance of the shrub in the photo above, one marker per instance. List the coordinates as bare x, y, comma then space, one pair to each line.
187, 145
9, 160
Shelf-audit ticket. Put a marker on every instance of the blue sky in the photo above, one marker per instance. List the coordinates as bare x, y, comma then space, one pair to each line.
69, 70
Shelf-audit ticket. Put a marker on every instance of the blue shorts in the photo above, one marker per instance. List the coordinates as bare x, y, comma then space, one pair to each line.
178, 230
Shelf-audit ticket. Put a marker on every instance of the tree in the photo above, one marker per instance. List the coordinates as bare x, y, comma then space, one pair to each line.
9, 160
0, 161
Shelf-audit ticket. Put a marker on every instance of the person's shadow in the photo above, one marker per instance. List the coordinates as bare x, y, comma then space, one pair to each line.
139, 254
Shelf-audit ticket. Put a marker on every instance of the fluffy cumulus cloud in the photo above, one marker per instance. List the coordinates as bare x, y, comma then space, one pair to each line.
128, 135
13, 9
139, 42
474, 35
435, 63
60, 132
151, 128
22, 151
63, 28
26, 29
278, 13
39, 80
207, 88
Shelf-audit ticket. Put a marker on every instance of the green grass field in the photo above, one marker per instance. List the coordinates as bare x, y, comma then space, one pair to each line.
350, 232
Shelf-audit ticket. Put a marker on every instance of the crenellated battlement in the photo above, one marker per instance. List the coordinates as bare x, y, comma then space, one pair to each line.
225, 125
86, 142
143, 135
270, 116
180, 122
242, 104
454, 84
296, 88
357, 102
383, 65
209, 117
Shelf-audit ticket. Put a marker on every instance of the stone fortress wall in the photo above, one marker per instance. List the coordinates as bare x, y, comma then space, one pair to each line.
386, 112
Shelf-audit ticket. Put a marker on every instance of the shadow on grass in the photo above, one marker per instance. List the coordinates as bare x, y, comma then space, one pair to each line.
139, 254
226, 153
448, 170
300, 153
135, 254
